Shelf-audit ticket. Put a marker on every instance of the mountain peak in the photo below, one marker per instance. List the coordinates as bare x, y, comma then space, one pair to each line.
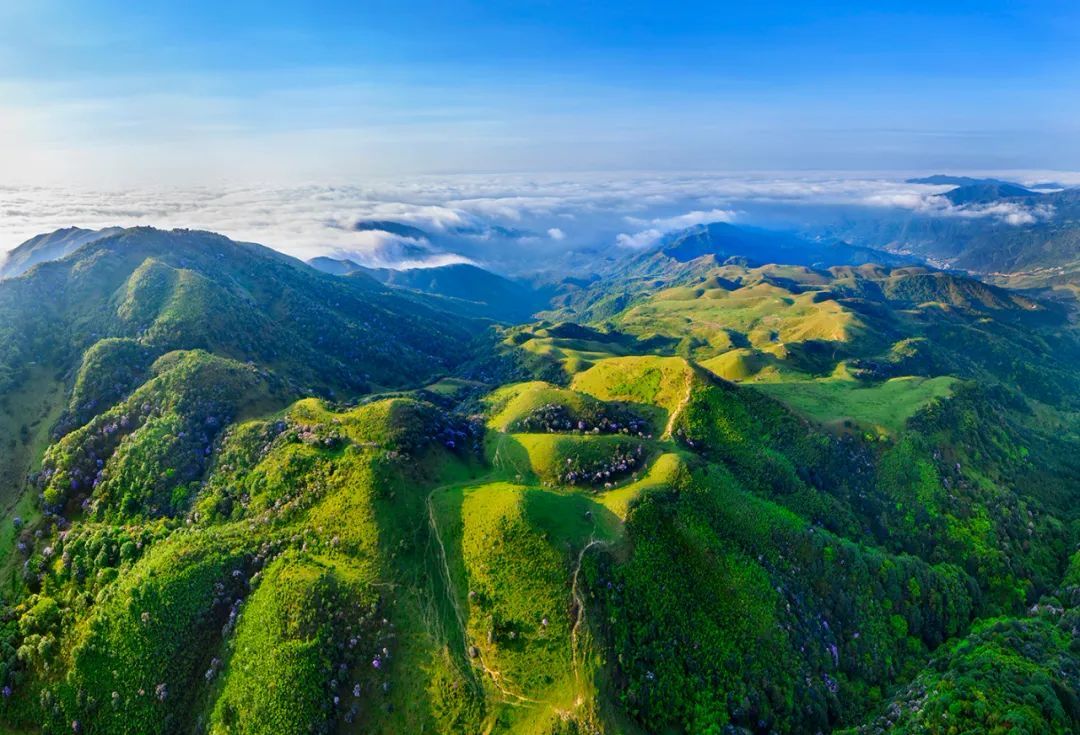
50, 246
986, 192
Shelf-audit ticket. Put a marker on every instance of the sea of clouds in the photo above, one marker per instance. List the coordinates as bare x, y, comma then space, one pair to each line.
510, 223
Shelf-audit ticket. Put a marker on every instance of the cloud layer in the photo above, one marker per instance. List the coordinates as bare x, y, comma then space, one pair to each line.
511, 223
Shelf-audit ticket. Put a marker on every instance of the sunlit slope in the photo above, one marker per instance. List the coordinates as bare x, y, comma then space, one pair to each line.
845, 403
411, 573
604, 528
80, 335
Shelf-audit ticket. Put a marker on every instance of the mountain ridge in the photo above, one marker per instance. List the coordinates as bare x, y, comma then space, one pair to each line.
702, 494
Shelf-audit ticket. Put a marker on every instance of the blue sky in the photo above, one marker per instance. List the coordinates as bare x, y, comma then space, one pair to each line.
122, 92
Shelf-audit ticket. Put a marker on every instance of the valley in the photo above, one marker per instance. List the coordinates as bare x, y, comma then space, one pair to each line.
700, 492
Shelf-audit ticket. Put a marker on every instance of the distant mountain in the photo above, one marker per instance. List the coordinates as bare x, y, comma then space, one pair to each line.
1036, 247
758, 247
473, 290
335, 266
502, 298
394, 228
947, 180
983, 193
687, 254
49, 246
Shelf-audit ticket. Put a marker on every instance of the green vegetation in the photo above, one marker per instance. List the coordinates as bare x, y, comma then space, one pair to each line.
283, 671
883, 408
253, 498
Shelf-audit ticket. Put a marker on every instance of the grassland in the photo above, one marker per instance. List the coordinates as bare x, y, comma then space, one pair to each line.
585, 531
27, 417
713, 320
844, 403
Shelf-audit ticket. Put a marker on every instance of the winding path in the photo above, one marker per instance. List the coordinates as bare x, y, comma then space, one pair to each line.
496, 677
579, 603
682, 404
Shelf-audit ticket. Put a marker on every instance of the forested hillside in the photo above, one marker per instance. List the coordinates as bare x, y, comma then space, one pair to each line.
712, 491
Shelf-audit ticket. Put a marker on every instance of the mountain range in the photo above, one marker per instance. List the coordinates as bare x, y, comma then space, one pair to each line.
1025, 237
740, 482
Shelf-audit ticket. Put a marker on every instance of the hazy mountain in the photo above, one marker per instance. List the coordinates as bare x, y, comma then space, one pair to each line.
49, 246
759, 246
500, 297
948, 180
335, 266
475, 290
394, 228
1031, 240
982, 193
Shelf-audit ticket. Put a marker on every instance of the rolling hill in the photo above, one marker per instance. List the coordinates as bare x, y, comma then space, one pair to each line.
703, 494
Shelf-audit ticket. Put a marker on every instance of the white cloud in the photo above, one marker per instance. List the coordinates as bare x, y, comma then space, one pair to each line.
693, 218
934, 205
434, 261
663, 225
638, 240
518, 223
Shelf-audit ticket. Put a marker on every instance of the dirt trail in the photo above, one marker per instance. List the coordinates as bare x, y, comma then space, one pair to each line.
682, 404
579, 603
496, 677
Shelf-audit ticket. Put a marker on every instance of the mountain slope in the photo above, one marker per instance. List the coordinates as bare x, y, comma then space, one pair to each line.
982, 193
94, 323
473, 290
265, 499
49, 246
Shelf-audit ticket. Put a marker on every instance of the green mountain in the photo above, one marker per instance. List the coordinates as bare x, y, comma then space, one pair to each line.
1031, 241
468, 289
49, 246
705, 494
757, 246
78, 334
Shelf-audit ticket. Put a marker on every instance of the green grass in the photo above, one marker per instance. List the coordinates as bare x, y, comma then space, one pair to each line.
663, 473
715, 320
507, 406
883, 408
27, 417
452, 387
656, 386
750, 364
283, 671
519, 595
552, 456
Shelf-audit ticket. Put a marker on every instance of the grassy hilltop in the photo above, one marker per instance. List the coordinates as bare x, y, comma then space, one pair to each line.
700, 497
